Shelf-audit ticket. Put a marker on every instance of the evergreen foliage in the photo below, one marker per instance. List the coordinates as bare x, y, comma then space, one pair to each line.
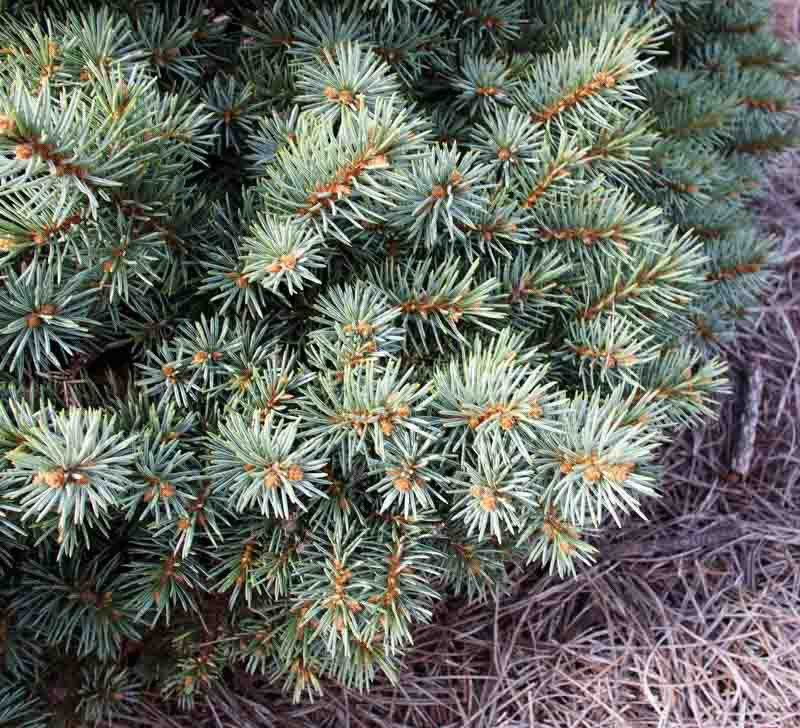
314, 314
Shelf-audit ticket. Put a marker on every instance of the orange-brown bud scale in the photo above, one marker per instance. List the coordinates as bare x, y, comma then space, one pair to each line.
592, 474
8, 126
402, 484
23, 151
489, 502
507, 422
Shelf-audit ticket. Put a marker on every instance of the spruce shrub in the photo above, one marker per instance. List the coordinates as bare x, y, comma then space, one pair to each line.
314, 314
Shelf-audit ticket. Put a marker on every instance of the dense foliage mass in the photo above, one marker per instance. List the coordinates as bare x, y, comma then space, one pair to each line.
316, 313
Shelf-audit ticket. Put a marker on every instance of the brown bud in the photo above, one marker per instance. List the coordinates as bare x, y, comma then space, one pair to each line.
621, 471
288, 261
23, 151
271, 479
199, 357
330, 93
55, 478
364, 328
507, 422
402, 410
402, 484
166, 490
274, 267
295, 472
7, 125
592, 474
535, 410
504, 154
33, 321
489, 502
438, 192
